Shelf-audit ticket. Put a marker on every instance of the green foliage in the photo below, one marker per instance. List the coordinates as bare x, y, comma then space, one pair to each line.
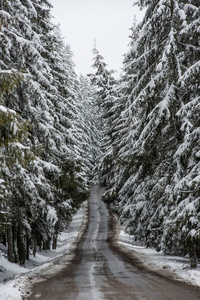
13, 132
9, 80
12, 128
71, 184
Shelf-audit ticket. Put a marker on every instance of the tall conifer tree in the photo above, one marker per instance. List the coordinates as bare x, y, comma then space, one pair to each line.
155, 126
106, 92
45, 191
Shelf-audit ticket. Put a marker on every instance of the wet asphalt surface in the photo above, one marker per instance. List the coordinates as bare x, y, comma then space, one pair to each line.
100, 269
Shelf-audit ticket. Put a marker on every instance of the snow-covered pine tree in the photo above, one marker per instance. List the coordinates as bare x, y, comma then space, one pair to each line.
106, 94
32, 191
77, 126
44, 191
90, 124
182, 228
118, 172
13, 129
153, 67
76, 161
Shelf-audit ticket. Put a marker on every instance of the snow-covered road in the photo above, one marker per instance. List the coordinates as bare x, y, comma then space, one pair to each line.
97, 272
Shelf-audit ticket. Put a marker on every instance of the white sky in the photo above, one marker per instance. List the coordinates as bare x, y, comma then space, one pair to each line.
106, 21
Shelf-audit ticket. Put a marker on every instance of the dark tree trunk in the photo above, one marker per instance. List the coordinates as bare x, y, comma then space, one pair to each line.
11, 256
193, 257
54, 246
39, 243
48, 244
14, 237
4, 239
21, 246
27, 247
198, 251
44, 246
34, 248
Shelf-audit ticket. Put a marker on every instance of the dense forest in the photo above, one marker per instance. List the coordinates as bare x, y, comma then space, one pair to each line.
138, 135
47, 148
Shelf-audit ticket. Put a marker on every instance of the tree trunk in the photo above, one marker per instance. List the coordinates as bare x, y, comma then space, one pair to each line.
27, 247
21, 246
48, 247
198, 251
34, 248
4, 239
11, 256
39, 243
47, 244
54, 246
193, 257
44, 245
14, 237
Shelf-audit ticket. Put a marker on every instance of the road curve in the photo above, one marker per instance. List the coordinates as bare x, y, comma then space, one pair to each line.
99, 271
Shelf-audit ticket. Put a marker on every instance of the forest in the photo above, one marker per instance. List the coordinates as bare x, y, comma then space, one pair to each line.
138, 136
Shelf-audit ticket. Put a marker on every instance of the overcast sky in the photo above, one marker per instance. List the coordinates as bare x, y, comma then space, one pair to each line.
106, 21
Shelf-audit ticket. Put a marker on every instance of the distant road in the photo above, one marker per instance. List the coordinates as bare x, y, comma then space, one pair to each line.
99, 271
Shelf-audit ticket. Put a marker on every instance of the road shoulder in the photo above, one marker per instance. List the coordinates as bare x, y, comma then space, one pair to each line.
171, 267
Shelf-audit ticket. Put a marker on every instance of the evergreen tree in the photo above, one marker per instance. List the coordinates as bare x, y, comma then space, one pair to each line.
106, 93
49, 187
182, 229
13, 129
90, 125
151, 126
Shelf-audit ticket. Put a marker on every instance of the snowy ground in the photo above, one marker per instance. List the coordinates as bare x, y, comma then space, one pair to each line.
14, 280
179, 267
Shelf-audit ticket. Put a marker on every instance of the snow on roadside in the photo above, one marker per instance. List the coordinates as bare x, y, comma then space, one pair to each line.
14, 279
179, 267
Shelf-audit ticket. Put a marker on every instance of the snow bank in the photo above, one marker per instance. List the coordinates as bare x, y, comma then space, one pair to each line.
179, 267
10, 292
14, 279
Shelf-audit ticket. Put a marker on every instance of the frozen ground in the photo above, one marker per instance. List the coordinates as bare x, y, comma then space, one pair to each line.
14, 279
178, 266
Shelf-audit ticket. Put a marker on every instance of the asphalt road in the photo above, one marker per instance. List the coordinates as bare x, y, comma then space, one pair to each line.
101, 270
